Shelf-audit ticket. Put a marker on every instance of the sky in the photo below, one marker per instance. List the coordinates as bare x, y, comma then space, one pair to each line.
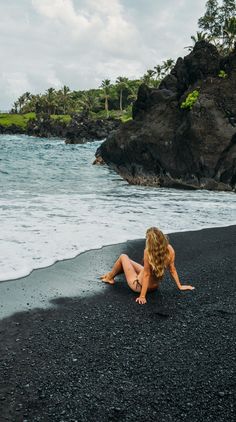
78, 43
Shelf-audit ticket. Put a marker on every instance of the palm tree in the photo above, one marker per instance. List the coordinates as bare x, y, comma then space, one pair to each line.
27, 96
200, 36
121, 83
229, 31
132, 96
15, 107
41, 105
50, 100
21, 101
106, 86
88, 101
150, 73
148, 77
26, 100
158, 71
168, 66
64, 97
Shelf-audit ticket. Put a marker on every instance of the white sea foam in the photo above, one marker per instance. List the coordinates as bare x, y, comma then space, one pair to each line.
54, 204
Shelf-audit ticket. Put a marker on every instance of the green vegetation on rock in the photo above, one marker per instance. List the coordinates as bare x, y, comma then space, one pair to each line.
66, 118
190, 100
20, 120
222, 74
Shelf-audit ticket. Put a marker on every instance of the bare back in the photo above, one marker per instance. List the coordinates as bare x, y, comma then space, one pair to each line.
153, 280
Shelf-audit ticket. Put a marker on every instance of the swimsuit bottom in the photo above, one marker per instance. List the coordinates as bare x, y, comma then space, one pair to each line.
137, 283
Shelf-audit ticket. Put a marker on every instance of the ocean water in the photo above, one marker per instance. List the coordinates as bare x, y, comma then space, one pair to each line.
54, 204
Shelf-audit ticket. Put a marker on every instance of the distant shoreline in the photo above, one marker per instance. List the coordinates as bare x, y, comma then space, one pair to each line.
78, 128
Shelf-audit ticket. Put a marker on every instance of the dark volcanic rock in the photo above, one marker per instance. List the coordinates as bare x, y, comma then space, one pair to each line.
84, 129
167, 146
79, 130
12, 129
45, 127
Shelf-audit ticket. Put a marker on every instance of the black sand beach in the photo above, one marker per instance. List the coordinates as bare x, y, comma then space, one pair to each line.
106, 358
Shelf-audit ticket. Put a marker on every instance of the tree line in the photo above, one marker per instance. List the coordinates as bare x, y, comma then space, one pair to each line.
109, 96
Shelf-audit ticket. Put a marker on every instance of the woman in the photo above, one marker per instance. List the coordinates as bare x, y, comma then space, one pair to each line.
158, 255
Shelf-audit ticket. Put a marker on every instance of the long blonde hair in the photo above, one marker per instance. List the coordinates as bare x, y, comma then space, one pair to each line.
157, 250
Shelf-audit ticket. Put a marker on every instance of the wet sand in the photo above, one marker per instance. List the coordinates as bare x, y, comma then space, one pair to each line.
99, 356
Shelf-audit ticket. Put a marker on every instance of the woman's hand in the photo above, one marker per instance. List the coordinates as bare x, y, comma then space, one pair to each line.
141, 300
186, 287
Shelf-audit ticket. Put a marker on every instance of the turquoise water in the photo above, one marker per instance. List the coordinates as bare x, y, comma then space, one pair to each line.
54, 204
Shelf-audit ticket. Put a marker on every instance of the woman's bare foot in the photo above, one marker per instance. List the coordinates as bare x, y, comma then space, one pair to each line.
107, 278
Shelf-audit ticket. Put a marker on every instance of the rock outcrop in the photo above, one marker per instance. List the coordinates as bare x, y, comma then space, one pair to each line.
80, 129
166, 145
83, 129
11, 129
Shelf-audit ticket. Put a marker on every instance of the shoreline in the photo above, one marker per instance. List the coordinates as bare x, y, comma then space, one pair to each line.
101, 247
103, 357
44, 285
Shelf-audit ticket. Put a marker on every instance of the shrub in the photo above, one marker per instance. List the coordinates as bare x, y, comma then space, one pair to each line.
62, 117
222, 74
190, 100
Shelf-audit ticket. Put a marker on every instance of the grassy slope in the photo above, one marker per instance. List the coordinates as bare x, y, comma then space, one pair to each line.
22, 119
15, 119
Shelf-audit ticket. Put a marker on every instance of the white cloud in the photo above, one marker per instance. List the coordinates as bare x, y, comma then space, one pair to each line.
81, 42
102, 23
61, 10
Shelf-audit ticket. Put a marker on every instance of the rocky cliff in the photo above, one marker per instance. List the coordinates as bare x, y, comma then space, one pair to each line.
166, 145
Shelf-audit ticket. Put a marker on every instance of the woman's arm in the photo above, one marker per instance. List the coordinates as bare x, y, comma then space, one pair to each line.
174, 273
145, 280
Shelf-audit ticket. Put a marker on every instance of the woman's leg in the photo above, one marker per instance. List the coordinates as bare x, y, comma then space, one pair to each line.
138, 267
131, 274
129, 267
116, 269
